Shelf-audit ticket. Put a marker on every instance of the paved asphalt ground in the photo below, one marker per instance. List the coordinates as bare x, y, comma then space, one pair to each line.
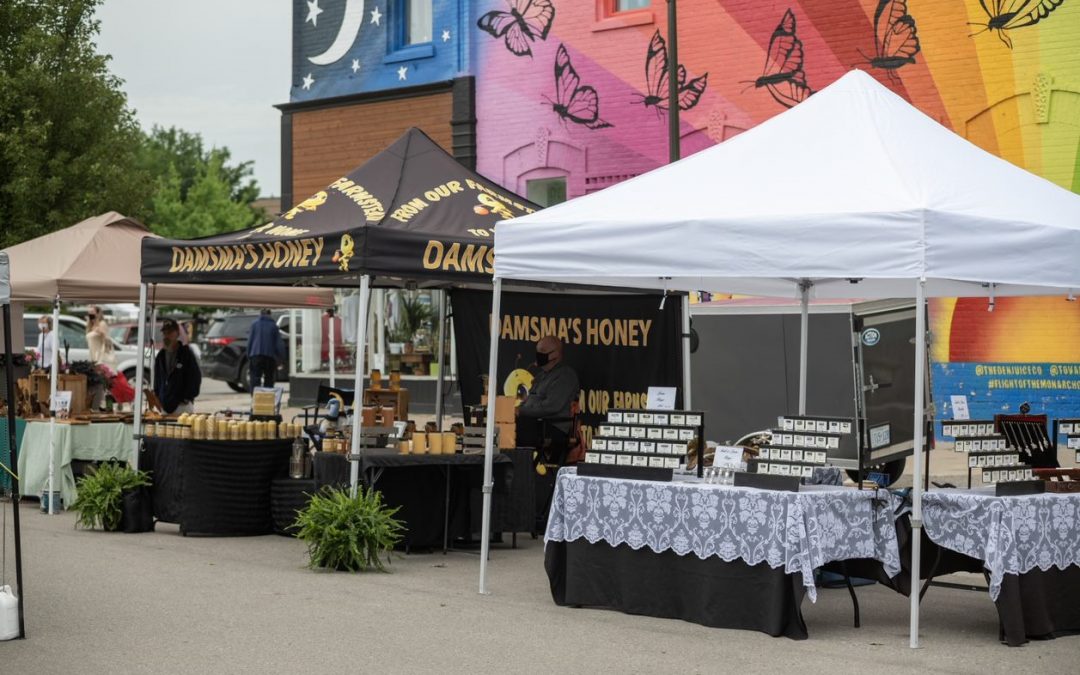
161, 603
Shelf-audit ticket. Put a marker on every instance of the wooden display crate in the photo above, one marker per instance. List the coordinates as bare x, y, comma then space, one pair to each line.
398, 399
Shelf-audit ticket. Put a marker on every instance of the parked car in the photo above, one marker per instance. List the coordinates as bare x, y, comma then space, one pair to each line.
71, 334
127, 333
224, 348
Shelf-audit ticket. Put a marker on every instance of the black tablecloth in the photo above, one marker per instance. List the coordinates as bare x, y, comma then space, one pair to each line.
417, 484
709, 592
1036, 605
215, 487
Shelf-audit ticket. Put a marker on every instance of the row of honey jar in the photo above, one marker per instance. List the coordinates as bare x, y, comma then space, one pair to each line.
206, 427
430, 442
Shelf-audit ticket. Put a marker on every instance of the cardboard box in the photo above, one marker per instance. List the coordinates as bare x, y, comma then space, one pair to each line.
504, 408
507, 435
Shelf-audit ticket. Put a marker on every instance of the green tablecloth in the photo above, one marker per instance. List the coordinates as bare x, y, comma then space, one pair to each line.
5, 454
72, 441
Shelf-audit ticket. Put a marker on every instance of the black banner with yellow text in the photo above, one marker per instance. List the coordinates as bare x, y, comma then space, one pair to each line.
619, 345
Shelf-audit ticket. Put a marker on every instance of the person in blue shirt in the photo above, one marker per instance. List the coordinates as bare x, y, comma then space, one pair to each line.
265, 349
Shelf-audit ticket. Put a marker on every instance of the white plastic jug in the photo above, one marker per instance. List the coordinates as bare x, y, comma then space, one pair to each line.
9, 614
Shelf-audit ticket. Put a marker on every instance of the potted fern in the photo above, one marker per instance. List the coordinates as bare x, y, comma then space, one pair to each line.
112, 497
348, 533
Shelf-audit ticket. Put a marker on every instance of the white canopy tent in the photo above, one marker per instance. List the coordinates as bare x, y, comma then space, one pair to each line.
852, 193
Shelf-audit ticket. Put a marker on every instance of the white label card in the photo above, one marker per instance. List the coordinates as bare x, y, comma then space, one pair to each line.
728, 456
661, 398
959, 407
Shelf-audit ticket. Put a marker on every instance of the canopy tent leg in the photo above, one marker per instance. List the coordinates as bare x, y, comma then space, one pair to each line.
150, 332
358, 380
686, 352
489, 433
439, 402
140, 374
331, 340
13, 455
54, 375
292, 344
920, 429
804, 339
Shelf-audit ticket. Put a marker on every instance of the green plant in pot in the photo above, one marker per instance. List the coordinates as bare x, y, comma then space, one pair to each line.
100, 502
348, 533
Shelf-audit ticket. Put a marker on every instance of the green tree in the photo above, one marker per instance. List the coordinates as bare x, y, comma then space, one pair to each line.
201, 203
68, 141
183, 152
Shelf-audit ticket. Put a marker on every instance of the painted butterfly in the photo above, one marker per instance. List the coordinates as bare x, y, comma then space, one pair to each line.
575, 102
783, 75
1004, 15
656, 79
527, 20
894, 36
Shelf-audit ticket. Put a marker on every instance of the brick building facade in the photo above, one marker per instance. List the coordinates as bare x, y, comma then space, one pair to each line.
556, 103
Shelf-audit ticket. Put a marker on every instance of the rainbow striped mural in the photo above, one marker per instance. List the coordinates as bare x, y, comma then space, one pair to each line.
563, 89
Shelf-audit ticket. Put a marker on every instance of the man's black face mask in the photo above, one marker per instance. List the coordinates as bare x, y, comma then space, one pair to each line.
542, 359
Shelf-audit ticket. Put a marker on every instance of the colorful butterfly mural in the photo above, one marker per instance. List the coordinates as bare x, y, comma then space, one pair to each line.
526, 22
575, 102
783, 75
1006, 15
656, 79
895, 39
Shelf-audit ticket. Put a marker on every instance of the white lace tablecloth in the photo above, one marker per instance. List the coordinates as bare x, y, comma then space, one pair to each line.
1011, 535
799, 531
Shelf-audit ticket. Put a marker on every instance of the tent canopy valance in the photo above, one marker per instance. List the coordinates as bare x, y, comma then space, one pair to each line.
412, 212
853, 189
97, 260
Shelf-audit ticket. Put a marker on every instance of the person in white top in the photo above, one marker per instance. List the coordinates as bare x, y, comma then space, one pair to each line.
46, 345
97, 338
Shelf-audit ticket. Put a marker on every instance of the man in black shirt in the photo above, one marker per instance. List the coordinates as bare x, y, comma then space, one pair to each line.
177, 378
545, 412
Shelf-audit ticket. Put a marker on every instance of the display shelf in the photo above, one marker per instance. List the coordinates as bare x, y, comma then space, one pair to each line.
647, 439
997, 460
800, 444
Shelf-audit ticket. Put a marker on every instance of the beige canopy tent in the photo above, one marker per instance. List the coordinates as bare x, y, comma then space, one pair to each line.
98, 260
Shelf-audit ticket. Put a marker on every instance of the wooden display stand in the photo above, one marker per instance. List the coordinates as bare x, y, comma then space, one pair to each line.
395, 398
76, 384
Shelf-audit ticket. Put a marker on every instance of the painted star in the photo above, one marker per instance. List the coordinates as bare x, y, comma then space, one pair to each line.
308, 81
376, 15
313, 12
446, 36
355, 65
402, 72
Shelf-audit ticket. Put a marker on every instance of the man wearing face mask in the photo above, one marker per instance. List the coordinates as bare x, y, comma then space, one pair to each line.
554, 389
46, 345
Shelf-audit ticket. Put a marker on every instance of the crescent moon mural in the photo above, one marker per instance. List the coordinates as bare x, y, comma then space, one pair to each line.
350, 27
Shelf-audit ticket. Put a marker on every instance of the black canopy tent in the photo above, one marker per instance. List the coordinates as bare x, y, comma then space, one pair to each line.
411, 214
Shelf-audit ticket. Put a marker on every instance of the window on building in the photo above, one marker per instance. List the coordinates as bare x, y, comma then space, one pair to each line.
626, 5
417, 21
546, 191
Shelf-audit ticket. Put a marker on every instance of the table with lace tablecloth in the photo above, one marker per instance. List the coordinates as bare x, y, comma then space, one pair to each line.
1029, 546
780, 535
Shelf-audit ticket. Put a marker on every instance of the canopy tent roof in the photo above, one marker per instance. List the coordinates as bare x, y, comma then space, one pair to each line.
5, 285
854, 189
97, 261
412, 211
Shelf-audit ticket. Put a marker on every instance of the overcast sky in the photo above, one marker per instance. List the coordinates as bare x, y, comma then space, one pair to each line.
215, 67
